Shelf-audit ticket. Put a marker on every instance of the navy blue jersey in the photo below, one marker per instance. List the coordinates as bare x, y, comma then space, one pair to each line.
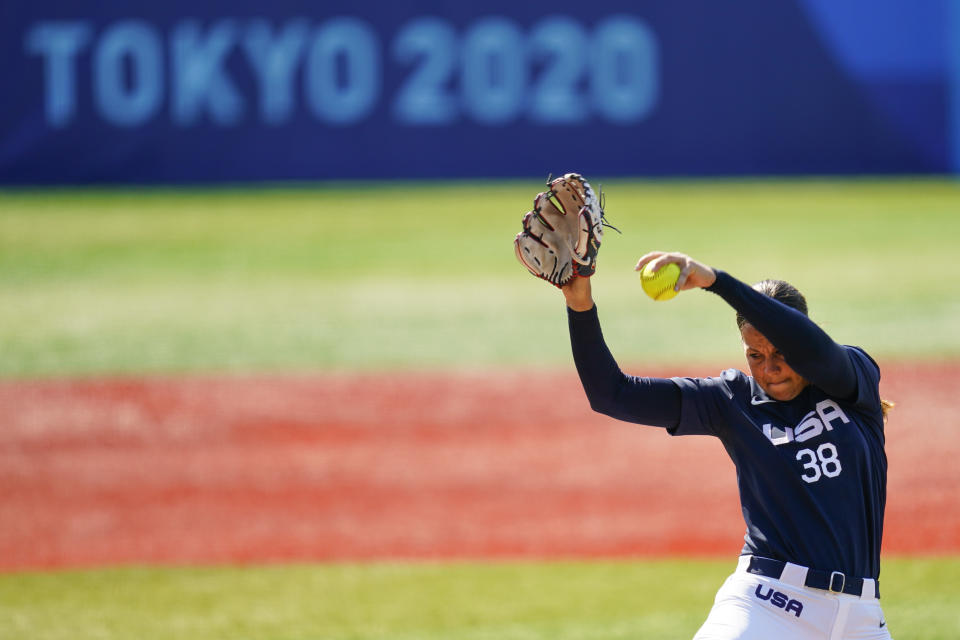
811, 471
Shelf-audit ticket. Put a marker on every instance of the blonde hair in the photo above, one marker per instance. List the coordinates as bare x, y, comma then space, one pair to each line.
885, 406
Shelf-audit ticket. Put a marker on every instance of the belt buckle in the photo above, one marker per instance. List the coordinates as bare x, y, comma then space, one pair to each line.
843, 582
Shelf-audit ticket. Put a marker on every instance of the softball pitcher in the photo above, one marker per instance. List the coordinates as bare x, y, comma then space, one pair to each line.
805, 431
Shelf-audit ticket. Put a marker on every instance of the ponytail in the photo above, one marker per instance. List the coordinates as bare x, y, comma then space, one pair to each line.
885, 406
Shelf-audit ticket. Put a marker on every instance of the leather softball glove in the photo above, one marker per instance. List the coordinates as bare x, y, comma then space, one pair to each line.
562, 233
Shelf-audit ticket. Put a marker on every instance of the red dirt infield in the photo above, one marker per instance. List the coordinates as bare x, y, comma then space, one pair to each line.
211, 470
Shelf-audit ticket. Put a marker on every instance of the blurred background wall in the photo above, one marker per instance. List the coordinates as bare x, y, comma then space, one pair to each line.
183, 92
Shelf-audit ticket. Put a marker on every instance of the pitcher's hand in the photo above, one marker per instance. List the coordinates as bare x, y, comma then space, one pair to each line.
693, 274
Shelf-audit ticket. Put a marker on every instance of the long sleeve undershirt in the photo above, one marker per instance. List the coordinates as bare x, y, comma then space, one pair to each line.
656, 401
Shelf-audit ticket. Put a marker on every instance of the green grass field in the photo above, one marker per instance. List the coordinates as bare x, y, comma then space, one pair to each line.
423, 276
600, 600
373, 276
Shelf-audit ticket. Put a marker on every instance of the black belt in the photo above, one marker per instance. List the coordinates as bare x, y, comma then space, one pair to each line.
833, 581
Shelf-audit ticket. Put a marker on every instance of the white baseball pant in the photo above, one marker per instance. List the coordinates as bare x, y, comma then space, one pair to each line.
756, 607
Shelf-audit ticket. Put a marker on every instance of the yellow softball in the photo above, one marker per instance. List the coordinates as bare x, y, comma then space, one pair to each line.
659, 285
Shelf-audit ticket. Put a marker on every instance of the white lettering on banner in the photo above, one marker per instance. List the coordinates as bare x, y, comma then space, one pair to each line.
199, 81
343, 93
625, 83
424, 98
273, 58
560, 44
59, 43
491, 72
128, 104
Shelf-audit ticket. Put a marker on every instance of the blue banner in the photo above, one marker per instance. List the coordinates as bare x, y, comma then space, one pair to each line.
181, 92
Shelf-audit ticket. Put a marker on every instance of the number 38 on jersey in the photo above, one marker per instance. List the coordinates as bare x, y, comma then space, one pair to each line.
822, 461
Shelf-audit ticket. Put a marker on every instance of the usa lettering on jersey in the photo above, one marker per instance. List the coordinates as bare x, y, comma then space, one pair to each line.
822, 418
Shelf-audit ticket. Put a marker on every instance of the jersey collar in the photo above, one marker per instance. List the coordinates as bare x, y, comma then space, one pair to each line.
759, 395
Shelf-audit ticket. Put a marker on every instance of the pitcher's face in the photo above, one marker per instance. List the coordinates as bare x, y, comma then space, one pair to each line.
768, 367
